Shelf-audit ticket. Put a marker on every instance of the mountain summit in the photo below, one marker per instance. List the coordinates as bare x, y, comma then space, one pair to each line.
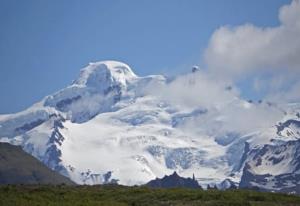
101, 75
111, 125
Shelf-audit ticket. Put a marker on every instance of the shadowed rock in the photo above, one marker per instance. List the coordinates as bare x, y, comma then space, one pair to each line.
18, 167
174, 181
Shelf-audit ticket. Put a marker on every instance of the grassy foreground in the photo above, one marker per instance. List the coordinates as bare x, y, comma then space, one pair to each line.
119, 195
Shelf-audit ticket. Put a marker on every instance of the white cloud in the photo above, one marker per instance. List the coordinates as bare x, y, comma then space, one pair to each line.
234, 118
194, 90
270, 57
250, 119
226, 112
86, 107
246, 49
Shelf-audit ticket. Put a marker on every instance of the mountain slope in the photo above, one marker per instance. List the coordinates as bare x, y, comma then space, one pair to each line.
111, 125
18, 167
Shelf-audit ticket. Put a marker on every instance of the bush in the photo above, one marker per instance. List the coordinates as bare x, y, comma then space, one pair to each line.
136, 196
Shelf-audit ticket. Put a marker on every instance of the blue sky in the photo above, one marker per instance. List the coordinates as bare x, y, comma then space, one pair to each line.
43, 44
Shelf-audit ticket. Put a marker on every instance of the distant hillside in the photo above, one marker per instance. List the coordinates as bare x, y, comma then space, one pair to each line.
174, 181
18, 167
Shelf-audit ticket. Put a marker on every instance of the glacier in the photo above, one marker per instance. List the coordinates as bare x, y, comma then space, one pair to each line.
110, 125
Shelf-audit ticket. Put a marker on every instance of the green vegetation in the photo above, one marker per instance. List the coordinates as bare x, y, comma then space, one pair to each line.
110, 195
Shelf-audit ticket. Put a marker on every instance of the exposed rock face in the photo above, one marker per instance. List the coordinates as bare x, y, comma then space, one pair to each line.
173, 181
273, 168
227, 184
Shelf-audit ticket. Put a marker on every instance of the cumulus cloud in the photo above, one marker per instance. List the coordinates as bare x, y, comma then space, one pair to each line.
241, 50
269, 57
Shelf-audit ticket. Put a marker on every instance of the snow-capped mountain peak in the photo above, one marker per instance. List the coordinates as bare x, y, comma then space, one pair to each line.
99, 86
110, 125
99, 74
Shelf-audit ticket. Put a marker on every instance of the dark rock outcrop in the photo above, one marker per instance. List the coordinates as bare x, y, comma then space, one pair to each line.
174, 181
286, 156
227, 184
18, 167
